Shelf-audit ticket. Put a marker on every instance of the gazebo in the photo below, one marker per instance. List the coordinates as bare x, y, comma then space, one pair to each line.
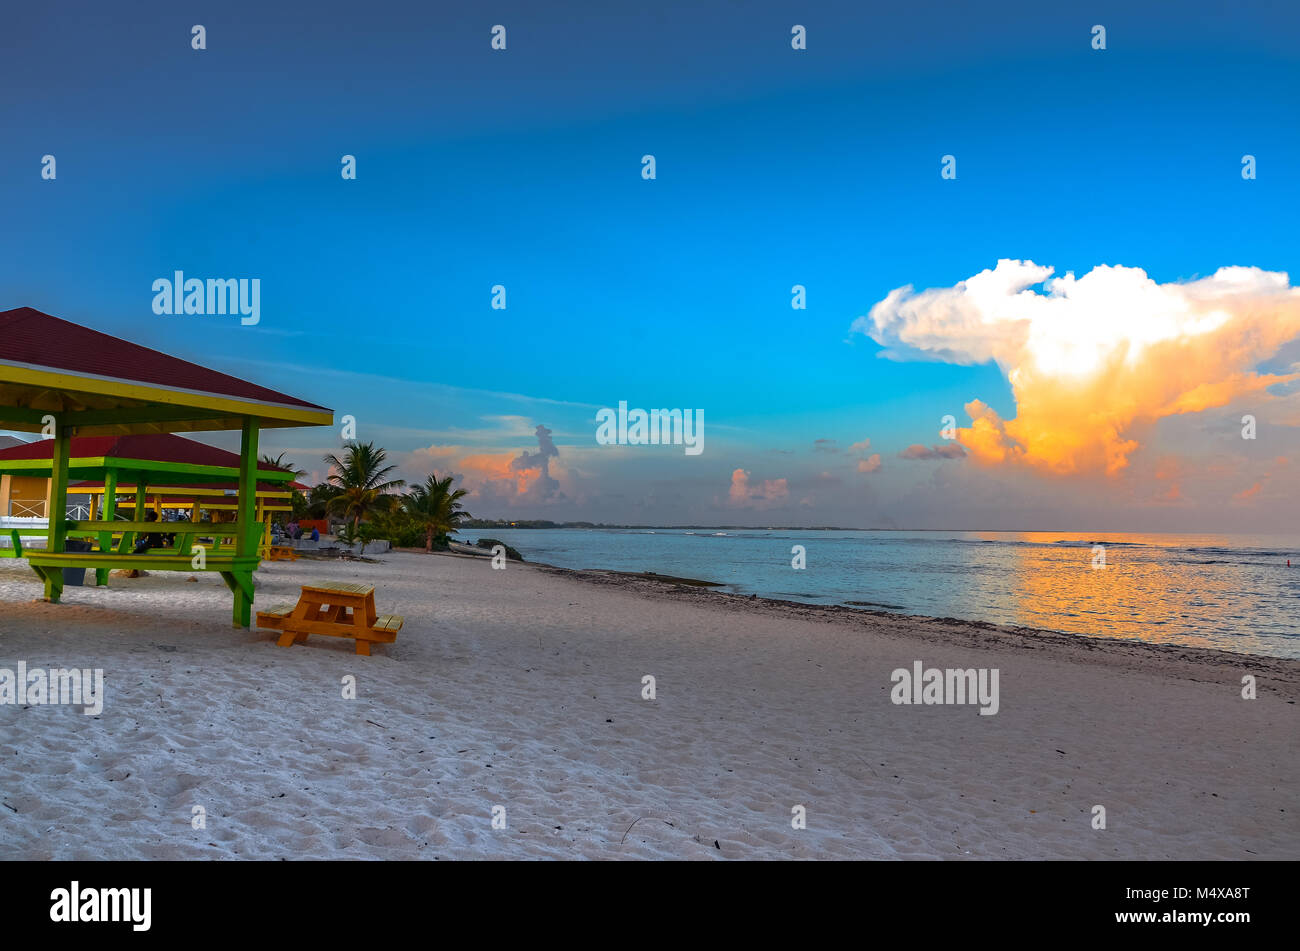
156, 470
62, 378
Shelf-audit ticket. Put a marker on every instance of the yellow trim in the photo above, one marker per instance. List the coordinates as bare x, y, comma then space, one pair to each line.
170, 490
106, 386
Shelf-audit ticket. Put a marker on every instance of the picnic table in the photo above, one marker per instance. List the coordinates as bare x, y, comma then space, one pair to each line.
336, 609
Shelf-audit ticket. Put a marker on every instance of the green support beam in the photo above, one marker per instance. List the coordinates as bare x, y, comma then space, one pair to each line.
57, 511
108, 513
245, 545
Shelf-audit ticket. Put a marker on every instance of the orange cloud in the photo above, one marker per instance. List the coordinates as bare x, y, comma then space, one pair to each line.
1091, 360
767, 493
1279, 463
535, 476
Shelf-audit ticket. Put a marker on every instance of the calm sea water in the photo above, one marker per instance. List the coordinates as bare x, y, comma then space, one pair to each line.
1232, 592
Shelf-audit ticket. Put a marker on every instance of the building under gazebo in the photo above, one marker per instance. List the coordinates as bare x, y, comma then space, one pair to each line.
61, 378
154, 471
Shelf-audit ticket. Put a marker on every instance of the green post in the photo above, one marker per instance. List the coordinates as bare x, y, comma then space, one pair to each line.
245, 546
128, 538
108, 513
57, 512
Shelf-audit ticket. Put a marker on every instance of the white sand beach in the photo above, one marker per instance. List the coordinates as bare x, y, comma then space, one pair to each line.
522, 688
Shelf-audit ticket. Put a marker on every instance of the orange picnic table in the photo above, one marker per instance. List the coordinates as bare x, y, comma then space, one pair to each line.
336, 609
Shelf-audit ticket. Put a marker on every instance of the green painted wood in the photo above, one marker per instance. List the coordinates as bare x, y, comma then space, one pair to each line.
57, 511
230, 529
245, 545
240, 582
154, 472
119, 416
54, 563
108, 514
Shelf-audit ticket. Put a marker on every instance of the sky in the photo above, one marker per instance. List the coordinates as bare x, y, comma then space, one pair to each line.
1097, 299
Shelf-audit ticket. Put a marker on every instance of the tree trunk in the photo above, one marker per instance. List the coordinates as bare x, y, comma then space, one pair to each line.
428, 542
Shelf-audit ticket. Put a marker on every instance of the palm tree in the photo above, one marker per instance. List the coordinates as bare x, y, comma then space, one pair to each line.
435, 508
362, 479
279, 463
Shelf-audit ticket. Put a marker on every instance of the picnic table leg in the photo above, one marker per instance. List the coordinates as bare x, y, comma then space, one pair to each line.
56, 509
304, 610
364, 618
240, 584
243, 610
108, 514
245, 543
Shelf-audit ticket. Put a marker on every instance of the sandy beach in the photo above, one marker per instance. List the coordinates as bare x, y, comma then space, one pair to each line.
522, 689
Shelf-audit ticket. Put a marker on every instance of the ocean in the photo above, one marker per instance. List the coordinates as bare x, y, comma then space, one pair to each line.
1230, 592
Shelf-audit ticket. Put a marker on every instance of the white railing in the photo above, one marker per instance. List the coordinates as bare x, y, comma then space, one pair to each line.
37, 510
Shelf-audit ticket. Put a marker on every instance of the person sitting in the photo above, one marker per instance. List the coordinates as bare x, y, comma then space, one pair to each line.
149, 539
315, 534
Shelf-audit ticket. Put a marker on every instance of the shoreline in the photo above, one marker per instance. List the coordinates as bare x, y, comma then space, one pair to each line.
1107, 651
524, 688
1125, 653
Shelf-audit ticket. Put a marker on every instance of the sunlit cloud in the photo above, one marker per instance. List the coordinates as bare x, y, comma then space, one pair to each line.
762, 495
1092, 360
870, 464
498, 476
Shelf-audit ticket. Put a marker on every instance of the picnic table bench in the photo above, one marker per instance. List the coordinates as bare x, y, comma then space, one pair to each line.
281, 553
337, 609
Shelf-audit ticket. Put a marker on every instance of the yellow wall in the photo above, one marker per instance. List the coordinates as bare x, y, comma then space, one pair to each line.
27, 495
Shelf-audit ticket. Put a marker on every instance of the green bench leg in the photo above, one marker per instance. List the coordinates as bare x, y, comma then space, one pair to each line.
53, 585
105, 545
241, 585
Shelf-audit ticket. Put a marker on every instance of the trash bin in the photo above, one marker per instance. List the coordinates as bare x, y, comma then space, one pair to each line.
75, 576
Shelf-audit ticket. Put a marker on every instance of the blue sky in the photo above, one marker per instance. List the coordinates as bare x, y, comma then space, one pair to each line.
522, 168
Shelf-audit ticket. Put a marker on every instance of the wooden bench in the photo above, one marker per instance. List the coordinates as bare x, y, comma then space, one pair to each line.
336, 609
281, 553
236, 571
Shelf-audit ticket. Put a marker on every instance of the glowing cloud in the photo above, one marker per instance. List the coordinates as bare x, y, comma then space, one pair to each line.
502, 476
767, 493
1090, 360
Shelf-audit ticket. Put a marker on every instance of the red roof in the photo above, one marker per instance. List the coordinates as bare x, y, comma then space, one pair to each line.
150, 447
31, 337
